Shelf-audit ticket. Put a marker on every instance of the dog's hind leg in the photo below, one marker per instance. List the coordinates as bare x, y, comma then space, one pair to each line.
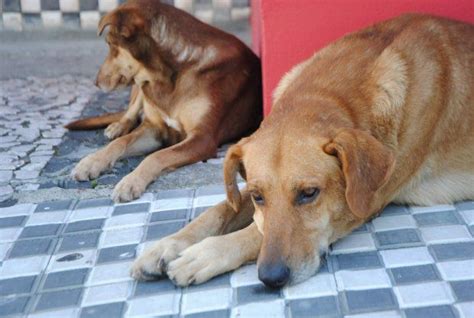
146, 138
218, 220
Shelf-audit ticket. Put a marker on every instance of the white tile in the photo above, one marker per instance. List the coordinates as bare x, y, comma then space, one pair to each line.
107, 5
456, 270
185, 5
18, 209
122, 236
362, 279
359, 242
107, 293
10, 234
126, 220
4, 247
468, 216
24, 266
30, 6
110, 273
144, 198
378, 314
69, 5
445, 234
207, 300
244, 276
165, 304
47, 218
90, 213
434, 208
466, 310
237, 14
61, 313
209, 200
207, 16
171, 204
274, 309
12, 21
429, 294
406, 257
317, 286
85, 259
51, 19
385, 223
89, 19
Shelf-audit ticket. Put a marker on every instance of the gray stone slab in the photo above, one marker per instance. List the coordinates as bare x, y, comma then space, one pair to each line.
444, 311
54, 206
324, 307
38, 246
79, 241
169, 215
464, 290
86, 225
463, 206
436, 218
17, 285
225, 313
160, 230
105, 310
453, 251
154, 287
116, 253
58, 299
398, 238
12, 306
40, 230
370, 300
414, 274
94, 203
12, 221
256, 293
66, 278
131, 208
358, 260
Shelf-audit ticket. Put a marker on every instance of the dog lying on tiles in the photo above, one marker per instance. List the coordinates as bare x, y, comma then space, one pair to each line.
383, 115
194, 88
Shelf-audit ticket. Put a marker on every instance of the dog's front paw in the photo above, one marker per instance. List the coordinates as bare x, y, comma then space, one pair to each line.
117, 129
129, 188
90, 167
153, 263
200, 262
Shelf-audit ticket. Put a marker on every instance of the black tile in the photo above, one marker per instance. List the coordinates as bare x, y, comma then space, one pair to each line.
358, 260
225, 313
168, 215
396, 238
464, 290
57, 299
154, 287
48, 5
393, 209
101, 311
200, 210
323, 307
13, 306
131, 208
11, 6
436, 218
13, 221
54, 206
18, 285
73, 21
256, 293
79, 241
116, 253
453, 251
66, 278
87, 5
444, 311
157, 231
370, 300
90, 203
414, 274
240, 3
40, 230
32, 247
216, 282
32, 20
86, 225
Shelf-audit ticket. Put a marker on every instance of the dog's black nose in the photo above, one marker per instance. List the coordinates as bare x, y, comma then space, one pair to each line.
274, 275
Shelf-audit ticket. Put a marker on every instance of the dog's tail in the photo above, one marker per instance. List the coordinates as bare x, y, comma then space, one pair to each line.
91, 123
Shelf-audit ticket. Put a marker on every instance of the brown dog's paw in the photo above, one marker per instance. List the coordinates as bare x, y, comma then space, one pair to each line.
89, 168
117, 129
154, 262
131, 187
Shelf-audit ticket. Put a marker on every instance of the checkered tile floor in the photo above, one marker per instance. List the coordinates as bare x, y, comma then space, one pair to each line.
70, 259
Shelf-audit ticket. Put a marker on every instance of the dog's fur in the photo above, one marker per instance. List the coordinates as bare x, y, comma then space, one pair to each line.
385, 114
194, 86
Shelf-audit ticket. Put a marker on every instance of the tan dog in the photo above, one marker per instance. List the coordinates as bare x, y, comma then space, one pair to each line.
385, 114
195, 87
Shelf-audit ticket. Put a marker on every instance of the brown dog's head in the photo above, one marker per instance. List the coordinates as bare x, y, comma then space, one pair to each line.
307, 190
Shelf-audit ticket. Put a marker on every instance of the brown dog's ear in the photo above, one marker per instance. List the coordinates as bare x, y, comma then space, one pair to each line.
124, 21
233, 165
367, 165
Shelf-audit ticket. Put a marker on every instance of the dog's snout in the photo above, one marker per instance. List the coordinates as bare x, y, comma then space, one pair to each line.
274, 275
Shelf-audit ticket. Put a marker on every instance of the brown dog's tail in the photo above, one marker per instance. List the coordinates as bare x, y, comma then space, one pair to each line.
95, 122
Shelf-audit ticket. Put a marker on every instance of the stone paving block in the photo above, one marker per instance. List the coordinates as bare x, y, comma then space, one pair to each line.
317, 286
358, 260
443, 311
110, 273
426, 294
397, 238
356, 242
436, 218
131, 208
362, 279
172, 204
406, 257
244, 276
274, 309
161, 286
126, 220
198, 211
209, 200
148, 306
108, 293
58, 299
256, 293
72, 260
324, 307
117, 253
466, 310
86, 225
468, 216
46, 218
94, 203
207, 300
160, 230
66, 278
72, 242
377, 314
40, 230
466, 205
39, 246
434, 208
395, 222
169, 215
90, 213
123, 236
18, 285
463, 290
18, 209
54, 206
453, 251
105, 310
210, 314
456, 270
445, 234
370, 300
13, 305
393, 209
9, 234
13, 221
220, 281
4, 248
23, 266
414, 274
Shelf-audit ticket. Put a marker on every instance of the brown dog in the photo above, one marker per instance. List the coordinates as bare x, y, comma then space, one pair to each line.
385, 114
195, 87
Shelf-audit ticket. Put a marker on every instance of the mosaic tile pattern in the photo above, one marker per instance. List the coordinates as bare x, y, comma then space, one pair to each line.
35, 14
71, 259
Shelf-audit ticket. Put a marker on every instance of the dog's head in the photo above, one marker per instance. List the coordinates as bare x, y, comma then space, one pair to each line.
308, 190
130, 58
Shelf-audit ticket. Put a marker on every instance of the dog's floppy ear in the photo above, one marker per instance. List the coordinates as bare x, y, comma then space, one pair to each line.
367, 165
232, 166
124, 21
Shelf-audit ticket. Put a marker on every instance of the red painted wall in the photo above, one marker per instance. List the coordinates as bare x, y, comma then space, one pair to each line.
286, 32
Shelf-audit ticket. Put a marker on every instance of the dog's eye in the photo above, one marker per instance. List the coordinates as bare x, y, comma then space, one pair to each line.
258, 198
307, 195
